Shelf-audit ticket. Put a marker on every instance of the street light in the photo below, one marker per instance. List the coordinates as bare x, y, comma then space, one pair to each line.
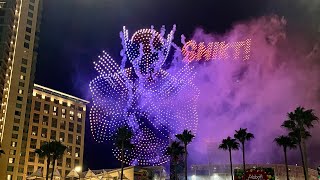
78, 169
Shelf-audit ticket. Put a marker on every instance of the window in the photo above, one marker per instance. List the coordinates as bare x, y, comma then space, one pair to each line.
36, 118
55, 111
31, 7
47, 99
21, 84
64, 104
20, 170
17, 113
71, 126
16, 120
68, 162
27, 37
37, 105
29, 22
14, 136
9, 176
71, 115
20, 178
24, 61
30, 14
53, 135
61, 138
79, 127
15, 128
12, 152
18, 105
54, 123
79, 115
20, 91
63, 125
77, 152
59, 163
33, 144
22, 77
14, 144
69, 150
26, 45
34, 130
44, 133
10, 168
11, 160
56, 101
45, 120
19, 98
28, 29
70, 138
23, 69
46, 108
78, 140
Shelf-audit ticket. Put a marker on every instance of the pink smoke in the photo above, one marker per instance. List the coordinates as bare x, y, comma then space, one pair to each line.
282, 73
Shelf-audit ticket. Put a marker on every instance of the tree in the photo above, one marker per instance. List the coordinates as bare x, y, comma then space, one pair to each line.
52, 151
45, 152
186, 137
123, 137
57, 150
174, 151
298, 123
229, 144
242, 136
286, 142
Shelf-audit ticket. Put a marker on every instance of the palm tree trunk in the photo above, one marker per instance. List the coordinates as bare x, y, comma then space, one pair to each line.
303, 163
286, 162
231, 172
243, 159
122, 157
48, 166
185, 162
53, 164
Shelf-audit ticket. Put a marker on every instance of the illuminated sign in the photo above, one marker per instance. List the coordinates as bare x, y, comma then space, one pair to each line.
254, 174
193, 51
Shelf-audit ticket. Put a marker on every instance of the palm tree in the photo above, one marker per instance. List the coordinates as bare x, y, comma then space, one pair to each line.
298, 123
57, 150
123, 137
286, 142
175, 151
242, 136
45, 152
186, 137
229, 144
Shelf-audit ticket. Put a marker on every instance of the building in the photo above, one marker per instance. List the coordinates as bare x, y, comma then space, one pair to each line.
55, 116
130, 173
222, 172
19, 28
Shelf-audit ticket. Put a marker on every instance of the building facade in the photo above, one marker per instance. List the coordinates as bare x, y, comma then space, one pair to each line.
55, 116
222, 172
19, 29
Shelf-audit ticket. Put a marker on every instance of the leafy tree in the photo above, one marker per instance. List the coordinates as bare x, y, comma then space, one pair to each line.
286, 142
123, 137
229, 144
186, 138
242, 136
298, 123
175, 151
57, 150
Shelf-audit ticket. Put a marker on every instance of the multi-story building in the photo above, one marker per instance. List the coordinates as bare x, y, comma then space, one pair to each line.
19, 27
55, 116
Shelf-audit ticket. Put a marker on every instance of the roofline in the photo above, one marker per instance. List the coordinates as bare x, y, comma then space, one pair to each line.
61, 93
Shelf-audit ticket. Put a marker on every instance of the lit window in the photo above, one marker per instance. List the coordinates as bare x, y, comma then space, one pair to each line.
11, 160
22, 77
20, 91
63, 111
76, 154
13, 144
79, 115
9, 177
71, 113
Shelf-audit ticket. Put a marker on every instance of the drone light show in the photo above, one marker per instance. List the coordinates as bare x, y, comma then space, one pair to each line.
216, 50
140, 94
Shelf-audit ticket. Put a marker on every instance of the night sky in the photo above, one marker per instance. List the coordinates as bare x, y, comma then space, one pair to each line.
74, 32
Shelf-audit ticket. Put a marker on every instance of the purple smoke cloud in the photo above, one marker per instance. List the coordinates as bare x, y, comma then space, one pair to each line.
283, 72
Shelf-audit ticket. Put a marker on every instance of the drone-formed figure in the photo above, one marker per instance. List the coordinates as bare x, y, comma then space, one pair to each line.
139, 93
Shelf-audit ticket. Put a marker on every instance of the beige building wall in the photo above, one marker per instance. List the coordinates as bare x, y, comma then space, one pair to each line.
55, 116
17, 90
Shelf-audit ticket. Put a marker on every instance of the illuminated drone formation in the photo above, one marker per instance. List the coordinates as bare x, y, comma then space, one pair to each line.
140, 94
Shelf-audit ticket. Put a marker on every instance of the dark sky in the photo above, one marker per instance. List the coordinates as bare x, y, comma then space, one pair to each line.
74, 32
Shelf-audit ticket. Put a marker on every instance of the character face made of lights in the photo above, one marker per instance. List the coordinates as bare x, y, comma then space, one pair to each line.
154, 103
